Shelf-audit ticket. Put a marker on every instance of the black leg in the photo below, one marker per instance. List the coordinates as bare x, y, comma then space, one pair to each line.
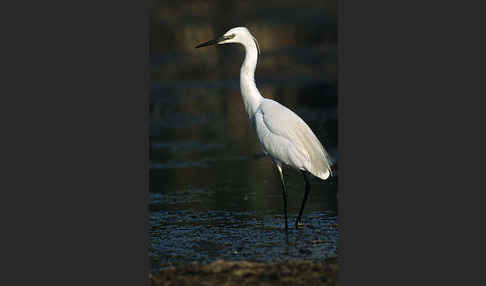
307, 190
284, 192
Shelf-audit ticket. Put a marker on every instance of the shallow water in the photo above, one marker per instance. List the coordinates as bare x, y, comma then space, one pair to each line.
181, 233
213, 195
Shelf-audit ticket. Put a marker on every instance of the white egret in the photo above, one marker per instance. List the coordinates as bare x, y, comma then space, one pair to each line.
283, 135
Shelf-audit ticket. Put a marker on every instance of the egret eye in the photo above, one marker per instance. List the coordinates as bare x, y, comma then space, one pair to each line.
230, 36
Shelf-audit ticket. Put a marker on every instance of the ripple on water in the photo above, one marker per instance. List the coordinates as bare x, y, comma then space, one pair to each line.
184, 236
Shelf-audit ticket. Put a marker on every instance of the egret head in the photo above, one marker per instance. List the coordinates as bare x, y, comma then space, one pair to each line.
239, 35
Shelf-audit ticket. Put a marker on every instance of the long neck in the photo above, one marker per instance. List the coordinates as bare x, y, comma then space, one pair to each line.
249, 92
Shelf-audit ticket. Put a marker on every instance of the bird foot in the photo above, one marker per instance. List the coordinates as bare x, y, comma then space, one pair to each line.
299, 225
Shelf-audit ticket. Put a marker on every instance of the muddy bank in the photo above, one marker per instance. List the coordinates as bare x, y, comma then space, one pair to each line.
293, 272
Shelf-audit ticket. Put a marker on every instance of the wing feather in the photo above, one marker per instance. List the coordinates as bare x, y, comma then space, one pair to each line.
284, 134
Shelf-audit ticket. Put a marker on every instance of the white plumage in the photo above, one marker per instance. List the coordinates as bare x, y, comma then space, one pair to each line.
287, 139
283, 135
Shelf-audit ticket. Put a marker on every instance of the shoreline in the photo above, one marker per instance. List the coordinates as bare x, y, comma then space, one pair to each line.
219, 272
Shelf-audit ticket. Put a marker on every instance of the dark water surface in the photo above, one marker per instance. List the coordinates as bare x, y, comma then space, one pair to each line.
212, 193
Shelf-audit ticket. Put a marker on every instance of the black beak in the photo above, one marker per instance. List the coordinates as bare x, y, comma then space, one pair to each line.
212, 42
